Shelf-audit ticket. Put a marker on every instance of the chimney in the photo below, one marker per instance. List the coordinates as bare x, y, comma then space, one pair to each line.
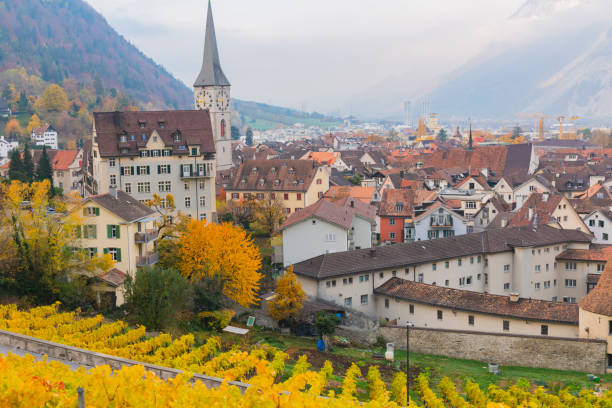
514, 297
112, 190
504, 223
373, 252
545, 196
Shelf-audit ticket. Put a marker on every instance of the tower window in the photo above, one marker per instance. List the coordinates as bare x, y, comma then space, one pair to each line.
223, 128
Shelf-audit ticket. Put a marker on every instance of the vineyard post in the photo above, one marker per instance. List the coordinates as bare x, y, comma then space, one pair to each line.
408, 326
81, 394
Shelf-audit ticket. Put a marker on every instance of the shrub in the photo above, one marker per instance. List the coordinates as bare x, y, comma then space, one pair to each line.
217, 320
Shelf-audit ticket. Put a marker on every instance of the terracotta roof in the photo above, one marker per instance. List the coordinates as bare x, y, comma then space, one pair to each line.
413, 253
540, 208
456, 299
193, 126
364, 194
477, 178
41, 130
275, 175
113, 277
598, 253
124, 206
397, 203
599, 300
340, 213
323, 157
63, 159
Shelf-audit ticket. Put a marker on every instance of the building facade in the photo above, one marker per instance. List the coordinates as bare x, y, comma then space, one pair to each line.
163, 152
45, 136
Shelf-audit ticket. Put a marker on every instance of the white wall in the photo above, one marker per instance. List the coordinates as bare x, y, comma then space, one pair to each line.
362, 232
310, 238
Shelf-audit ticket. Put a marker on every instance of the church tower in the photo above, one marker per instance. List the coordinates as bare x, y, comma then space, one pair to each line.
211, 92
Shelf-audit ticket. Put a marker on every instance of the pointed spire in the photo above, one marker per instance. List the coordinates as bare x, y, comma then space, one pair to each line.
470, 141
211, 73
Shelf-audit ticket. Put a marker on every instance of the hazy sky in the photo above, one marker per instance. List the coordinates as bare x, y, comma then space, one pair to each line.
313, 54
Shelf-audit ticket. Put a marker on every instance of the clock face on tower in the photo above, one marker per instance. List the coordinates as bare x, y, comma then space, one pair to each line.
222, 100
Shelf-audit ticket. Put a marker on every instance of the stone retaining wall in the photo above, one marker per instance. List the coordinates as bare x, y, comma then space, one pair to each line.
90, 358
504, 349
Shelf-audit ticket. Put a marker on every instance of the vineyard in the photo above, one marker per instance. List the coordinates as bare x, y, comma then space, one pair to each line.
48, 383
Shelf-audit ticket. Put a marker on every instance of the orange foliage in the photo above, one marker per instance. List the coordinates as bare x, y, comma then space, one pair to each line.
224, 252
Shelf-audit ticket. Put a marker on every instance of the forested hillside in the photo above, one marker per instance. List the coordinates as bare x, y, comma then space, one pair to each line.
60, 39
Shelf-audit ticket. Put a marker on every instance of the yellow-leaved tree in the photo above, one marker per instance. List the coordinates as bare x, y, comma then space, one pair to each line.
33, 124
288, 303
54, 99
43, 248
224, 254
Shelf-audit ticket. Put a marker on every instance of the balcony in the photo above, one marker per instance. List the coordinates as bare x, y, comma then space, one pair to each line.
201, 170
441, 221
147, 236
149, 259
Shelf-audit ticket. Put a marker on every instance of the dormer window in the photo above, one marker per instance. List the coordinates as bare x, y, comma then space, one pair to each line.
254, 170
161, 124
155, 138
123, 138
291, 170
273, 170
243, 181
399, 207
177, 137
277, 182
142, 124
261, 182
301, 181
143, 137
132, 137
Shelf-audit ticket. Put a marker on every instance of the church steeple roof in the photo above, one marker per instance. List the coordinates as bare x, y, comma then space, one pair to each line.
211, 73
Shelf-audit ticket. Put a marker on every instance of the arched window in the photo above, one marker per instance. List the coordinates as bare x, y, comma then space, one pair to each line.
222, 128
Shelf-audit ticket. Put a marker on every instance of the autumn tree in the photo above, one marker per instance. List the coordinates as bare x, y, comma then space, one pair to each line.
33, 123
13, 129
267, 215
54, 99
42, 242
223, 255
288, 303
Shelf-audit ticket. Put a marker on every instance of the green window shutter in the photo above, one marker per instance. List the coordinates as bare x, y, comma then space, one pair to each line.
109, 231
95, 251
191, 169
148, 169
118, 229
138, 171
118, 254
94, 231
181, 169
106, 250
122, 168
168, 168
158, 169
97, 211
86, 231
77, 231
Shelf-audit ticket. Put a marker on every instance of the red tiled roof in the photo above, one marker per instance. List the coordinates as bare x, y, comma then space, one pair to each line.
274, 175
598, 253
397, 203
113, 277
63, 158
477, 302
364, 194
340, 213
599, 300
540, 208
193, 126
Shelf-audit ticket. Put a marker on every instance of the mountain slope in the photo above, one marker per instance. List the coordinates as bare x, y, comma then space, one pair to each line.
565, 71
68, 38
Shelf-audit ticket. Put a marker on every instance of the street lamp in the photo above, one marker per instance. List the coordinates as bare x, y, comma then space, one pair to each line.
408, 326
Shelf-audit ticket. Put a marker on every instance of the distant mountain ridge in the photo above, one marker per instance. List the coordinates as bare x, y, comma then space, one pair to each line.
59, 39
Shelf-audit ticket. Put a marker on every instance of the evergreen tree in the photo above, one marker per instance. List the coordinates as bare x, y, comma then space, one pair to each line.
44, 170
16, 171
28, 165
249, 137
23, 102
235, 133
442, 135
